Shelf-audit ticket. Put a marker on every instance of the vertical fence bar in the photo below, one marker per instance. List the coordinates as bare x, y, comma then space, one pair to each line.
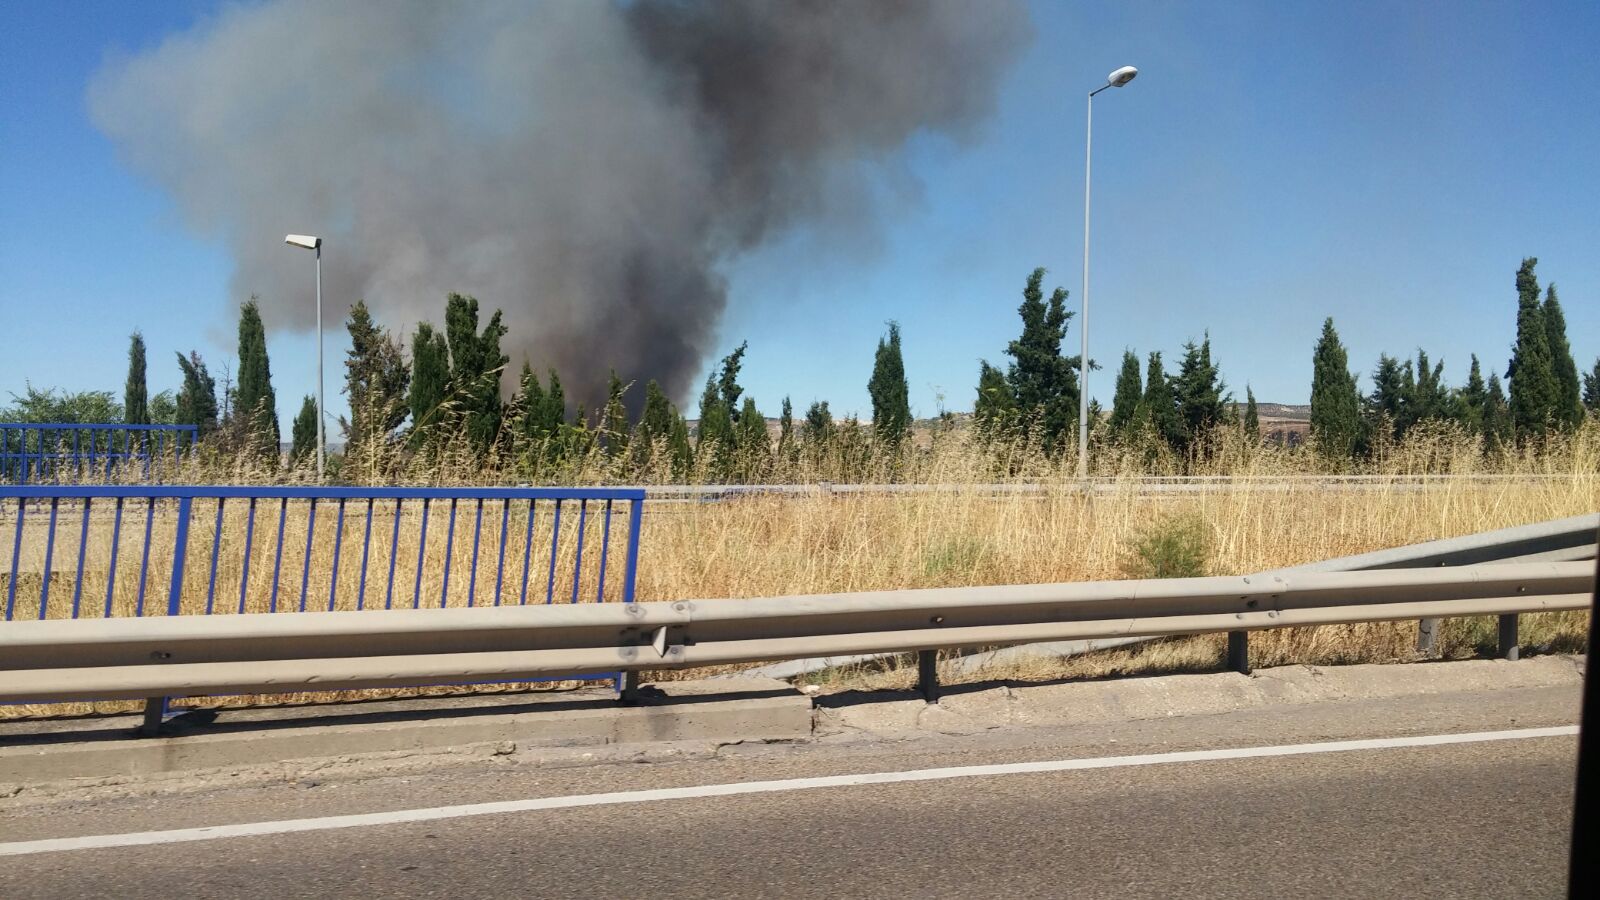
277, 553
249, 535
216, 548
16, 558
500, 566
449, 551
605, 552
116, 538
83, 550
49, 557
527, 553
555, 536
422, 546
144, 560
472, 579
631, 573
394, 556
305, 568
577, 562
338, 541
366, 545
180, 553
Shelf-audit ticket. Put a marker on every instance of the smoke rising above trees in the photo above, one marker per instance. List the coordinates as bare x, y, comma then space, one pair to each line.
587, 167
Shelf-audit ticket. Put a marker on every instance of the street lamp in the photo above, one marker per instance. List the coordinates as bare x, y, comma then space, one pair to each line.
310, 242
1116, 79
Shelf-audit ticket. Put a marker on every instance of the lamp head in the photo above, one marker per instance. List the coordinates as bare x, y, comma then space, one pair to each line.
1122, 76
310, 242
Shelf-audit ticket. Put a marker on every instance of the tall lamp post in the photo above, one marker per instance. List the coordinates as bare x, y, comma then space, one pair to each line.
1116, 79
311, 242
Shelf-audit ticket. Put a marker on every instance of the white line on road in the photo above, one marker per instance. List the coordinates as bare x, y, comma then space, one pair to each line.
406, 816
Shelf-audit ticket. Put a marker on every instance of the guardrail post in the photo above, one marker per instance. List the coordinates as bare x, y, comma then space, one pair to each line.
1427, 636
1509, 648
1239, 652
628, 688
155, 708
928, 675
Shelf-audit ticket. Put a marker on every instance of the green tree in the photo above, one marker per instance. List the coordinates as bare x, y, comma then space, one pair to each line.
197, 399
376, 379
716, 428
1252, 418
787, 447
614, 418
818, 427
1335, 402
1591, 388
553, 414
1162, 405
1199, 392
255, 403
164, 409
1426, 397
1044, 384
303, 434
728, 387
995, 411
1129, 393
430, 379
682, 449
891, 396
1568, 405
1497, 424
656, 422
476, 363
1385, 406
1473, 399
34, 406
754, 444
1535, 390
135, 395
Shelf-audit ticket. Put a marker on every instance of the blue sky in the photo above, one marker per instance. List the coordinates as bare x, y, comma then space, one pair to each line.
1274, 163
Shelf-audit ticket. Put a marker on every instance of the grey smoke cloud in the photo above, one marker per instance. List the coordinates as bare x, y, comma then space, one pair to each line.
585, 166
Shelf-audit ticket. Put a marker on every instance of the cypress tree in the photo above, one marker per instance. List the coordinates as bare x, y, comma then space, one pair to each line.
1130, 391
655, 425
530, 405
786, 438
475, 366
891, 396
614, 419
1497, 425
728, 387
553, 414
303, 437
1426, 396
1385, 406
818, 427
716, 428
1534, 389
1568, 405
197, 399
682, 450
1198, 390
754, 446
1044, 384
256, 403
1591, 388
1252, 418
1161, 405
135, 395
1474, 399
995, 410
376, 379
430, 377
1335, 402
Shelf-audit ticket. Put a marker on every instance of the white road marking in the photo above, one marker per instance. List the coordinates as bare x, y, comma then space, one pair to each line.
406, 816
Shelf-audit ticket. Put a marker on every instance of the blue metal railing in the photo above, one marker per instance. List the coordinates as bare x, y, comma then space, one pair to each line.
34, 452
110, 551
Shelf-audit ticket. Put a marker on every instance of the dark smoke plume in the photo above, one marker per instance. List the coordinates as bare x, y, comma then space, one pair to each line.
586, 166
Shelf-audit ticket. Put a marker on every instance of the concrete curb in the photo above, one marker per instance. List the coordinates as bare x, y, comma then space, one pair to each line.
737, 710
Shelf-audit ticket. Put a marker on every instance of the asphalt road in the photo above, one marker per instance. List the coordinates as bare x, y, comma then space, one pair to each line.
1463, 820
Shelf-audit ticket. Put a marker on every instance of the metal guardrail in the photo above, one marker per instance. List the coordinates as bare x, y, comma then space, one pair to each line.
34, 452
97, 557
132, 658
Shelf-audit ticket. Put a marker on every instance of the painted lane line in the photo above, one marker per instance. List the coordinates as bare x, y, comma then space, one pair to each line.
408, 816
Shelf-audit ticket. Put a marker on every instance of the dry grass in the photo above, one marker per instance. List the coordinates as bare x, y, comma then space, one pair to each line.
801, 544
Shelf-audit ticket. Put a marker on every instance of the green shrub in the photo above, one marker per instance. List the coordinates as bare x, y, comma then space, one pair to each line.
1174, 546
